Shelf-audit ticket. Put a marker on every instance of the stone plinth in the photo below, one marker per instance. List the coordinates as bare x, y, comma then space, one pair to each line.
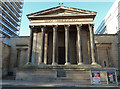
69, 76
60, 73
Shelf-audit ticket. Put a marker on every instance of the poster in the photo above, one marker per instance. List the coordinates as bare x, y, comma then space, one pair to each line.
112, 79
95, 77
103, 77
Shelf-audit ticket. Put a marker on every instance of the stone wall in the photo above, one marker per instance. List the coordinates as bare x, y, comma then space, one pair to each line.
18, 52
119, 51
4, 58
107, 50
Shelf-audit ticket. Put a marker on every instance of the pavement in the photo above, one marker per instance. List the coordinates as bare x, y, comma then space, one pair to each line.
21, 84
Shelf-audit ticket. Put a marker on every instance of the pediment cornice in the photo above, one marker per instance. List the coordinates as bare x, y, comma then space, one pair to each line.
61, 11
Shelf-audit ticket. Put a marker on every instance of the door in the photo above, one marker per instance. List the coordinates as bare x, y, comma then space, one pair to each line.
61, 55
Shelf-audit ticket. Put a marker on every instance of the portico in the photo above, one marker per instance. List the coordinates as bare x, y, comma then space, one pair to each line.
62, 36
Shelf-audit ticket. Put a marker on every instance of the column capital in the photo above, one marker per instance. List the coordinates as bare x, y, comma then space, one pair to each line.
92, 25
55, 27
79, 25
43, 28
31, 27
66, 27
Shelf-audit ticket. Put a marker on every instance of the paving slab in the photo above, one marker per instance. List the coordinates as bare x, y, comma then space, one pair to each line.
20, 84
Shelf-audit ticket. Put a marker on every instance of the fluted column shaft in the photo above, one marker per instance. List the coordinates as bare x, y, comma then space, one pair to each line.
92, 43
80, 59
54, 60
67, 50
42, 45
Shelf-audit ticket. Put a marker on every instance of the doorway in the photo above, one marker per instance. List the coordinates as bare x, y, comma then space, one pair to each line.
61, 55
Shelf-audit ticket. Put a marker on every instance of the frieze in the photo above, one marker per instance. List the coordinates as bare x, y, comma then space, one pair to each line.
63, 20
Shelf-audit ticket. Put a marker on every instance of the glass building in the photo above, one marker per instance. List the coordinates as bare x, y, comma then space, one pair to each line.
10, 17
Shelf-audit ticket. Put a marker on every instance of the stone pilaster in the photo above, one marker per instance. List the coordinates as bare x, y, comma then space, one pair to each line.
80, 59
92, 43
67, 50
54, 59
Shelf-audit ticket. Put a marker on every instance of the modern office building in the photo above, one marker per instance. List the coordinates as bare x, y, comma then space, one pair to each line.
10, 17
111, 22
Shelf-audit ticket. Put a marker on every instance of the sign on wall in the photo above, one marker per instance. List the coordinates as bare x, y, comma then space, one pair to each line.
104, 77
61, 73
95, 77
111, 76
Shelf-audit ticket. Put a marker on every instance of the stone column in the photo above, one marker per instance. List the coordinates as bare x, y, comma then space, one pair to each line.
42, 45
80, 59
92, 43
67, 50
31, 44
54, 60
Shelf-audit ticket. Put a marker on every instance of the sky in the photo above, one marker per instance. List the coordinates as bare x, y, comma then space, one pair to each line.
32, 6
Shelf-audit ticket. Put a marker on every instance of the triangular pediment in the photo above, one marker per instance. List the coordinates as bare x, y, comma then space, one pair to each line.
62, 10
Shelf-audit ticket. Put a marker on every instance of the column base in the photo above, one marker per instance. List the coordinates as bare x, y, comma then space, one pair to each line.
80, 63
67, 63
41, 64
54, 64
30, 63
94, 63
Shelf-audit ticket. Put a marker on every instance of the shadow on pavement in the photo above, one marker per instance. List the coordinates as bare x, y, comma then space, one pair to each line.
61, 88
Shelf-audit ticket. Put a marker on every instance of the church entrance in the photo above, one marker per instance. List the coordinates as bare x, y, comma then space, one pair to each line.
61, 55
